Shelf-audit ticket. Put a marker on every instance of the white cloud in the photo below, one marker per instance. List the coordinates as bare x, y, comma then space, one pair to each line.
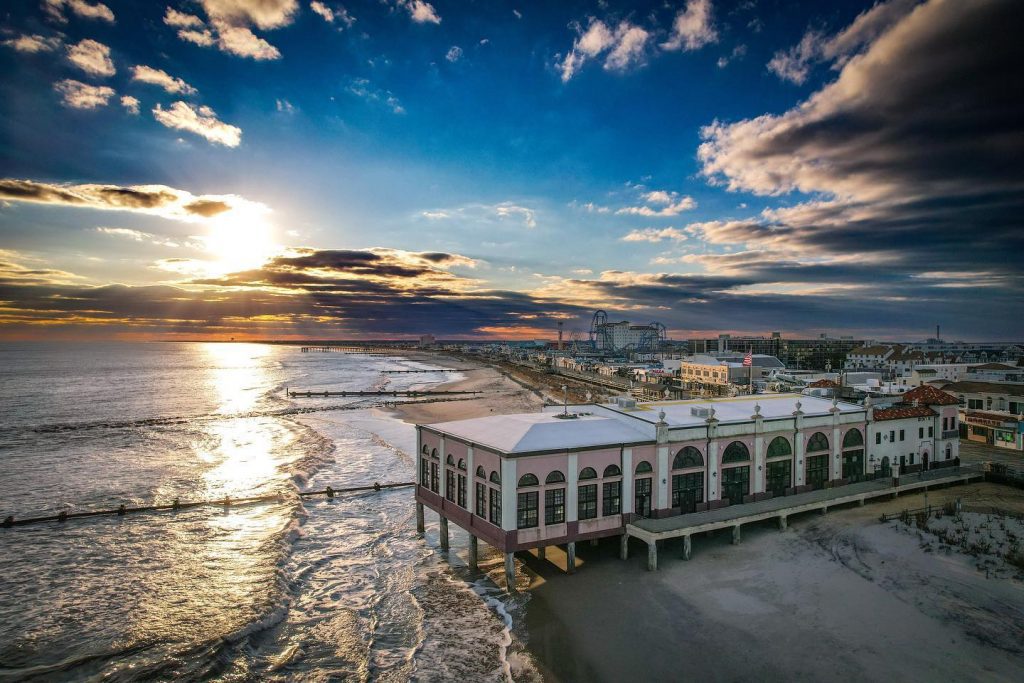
202, 121
673, 207
815, 46
229, 25
655, 235
92, 57
361, 87
136, 235
480, 214
737, 53
626, 46
147, 74
87, 10
78, 95
421, 12
323, 10
131, 104
693, 27
33, 43
507, 209
284, 106
660, 197
454, 54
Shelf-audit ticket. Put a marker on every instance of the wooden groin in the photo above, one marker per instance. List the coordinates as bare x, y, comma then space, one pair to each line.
367, 350
402, 372
227, 502
328, 394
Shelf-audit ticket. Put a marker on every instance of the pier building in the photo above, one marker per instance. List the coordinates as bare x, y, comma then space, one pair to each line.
583, 472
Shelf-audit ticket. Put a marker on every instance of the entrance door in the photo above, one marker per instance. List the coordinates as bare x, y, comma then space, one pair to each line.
687, 491
886, 467
779, 477
924, 460
735, 484
853, 464
817, 470
643, 496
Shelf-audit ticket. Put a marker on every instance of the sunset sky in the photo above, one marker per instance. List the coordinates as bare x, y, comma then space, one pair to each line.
286, 168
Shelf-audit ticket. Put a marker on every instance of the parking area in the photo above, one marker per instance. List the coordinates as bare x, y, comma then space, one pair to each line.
972, 452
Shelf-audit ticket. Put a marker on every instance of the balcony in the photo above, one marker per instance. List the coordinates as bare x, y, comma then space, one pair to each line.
951, 434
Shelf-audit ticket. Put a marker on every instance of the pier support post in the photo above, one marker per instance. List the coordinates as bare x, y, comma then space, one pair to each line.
473, 553
824, 510
652, 556
570, 557
687, 547
783, 520
862, 502
444, 533
420, 525
624, 546
542, 552
510, 573
736, 535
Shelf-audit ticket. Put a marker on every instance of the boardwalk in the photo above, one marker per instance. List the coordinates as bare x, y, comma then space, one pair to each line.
684, 526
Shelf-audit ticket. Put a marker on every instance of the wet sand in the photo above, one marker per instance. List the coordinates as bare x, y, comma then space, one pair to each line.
834, 596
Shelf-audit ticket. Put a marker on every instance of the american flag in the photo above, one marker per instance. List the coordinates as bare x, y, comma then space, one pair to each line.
748, 360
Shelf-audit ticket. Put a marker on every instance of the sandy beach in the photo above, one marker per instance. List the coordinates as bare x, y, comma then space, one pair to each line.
834, 595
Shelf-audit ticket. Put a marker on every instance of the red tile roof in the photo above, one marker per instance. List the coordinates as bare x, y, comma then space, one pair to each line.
901, 412
928, 395
823, 384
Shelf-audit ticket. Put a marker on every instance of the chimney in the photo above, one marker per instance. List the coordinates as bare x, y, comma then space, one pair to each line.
560, 323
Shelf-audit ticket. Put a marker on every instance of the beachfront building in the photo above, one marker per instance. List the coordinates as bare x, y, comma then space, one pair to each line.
920, 433
571, 474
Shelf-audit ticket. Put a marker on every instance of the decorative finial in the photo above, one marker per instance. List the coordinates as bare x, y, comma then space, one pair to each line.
590, 396
757, 409
799, 405
661, 416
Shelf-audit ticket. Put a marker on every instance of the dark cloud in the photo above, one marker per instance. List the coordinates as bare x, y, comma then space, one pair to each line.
207, 207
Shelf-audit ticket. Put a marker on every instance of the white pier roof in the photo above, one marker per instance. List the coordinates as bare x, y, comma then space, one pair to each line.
533, 432
739, 409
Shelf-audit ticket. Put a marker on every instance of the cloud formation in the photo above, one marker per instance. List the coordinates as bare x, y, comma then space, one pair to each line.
229, 25
147, 74
420, 11
622, 46
55, 9
78, 95
693, 27
33, 43
157, 200
131, 104
92, 57
200, 120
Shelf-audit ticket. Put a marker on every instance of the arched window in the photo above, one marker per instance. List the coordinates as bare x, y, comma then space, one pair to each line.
480, 472
495, 478
450, 460
433, 453
528, 480
736, 452
643, 467
555, 477
462, 464
779, 447
949, 451
853, 439
612, 471
818, 442
688, 457
426, 451
588, 473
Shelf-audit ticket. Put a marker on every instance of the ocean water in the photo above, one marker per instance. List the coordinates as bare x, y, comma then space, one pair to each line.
311, 589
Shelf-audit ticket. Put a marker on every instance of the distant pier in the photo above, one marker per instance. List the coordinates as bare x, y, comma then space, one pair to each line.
328, 394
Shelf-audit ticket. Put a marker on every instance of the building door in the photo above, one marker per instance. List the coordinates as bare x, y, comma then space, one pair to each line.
903, 462
817, 470
886, 467
853, 464
735, 484
779, 477
924, 460
643, 497
687, 491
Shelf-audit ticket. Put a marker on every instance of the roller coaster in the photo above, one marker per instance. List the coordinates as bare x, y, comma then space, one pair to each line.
602, 337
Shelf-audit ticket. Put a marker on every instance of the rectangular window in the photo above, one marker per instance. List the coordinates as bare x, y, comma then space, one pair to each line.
1016, 408
902, 436
920, 432
944, 425
892, 437
526, 509
931, 431
878, 438
449, 485
586, 502
554, 506
911, 458
424, 472
481, 500
975, 403
612, 491
435, 482
495, 506
462, 490
952, 423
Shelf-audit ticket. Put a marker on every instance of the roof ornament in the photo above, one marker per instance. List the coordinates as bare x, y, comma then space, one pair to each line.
757, 410
661, 417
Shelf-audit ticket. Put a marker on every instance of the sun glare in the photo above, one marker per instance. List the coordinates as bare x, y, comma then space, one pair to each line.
239, 240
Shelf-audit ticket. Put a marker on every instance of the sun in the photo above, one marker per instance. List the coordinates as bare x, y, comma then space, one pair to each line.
240, 239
